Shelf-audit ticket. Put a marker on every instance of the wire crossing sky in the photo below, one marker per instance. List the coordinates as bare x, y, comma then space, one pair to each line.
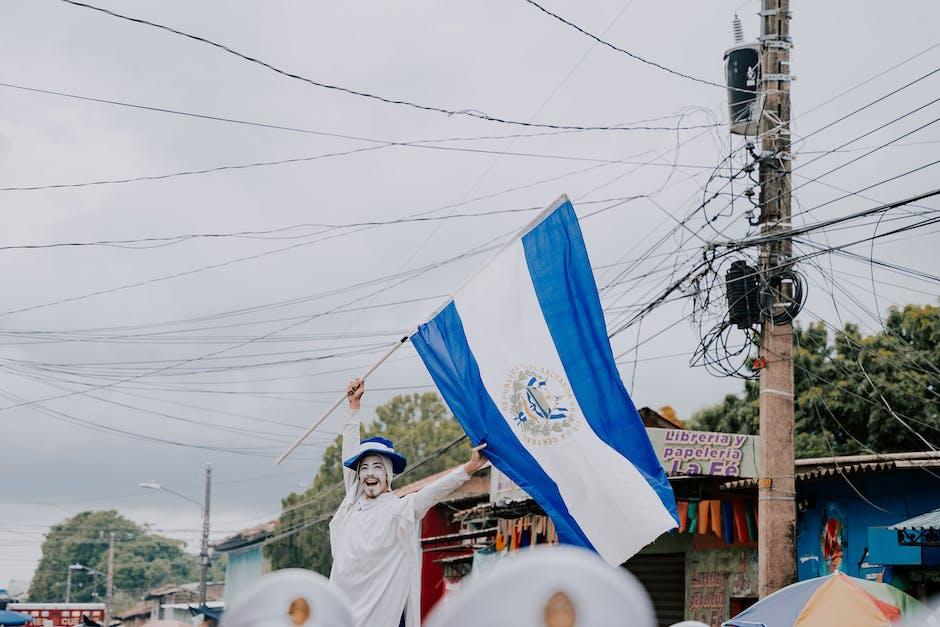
215, 214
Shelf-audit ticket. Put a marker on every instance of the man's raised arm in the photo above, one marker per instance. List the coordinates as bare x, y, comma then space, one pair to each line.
354, 392
433, 493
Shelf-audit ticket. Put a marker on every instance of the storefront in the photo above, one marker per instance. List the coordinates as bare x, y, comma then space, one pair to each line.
864, 516
706, 571
854, 514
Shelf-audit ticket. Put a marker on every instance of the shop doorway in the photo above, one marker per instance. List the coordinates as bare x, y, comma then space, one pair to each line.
736, 605
663, 576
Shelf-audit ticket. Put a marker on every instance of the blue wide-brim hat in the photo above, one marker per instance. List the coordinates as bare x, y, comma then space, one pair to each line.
377, 446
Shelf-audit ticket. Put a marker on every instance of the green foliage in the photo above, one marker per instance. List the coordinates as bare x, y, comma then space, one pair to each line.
418, 424
838, 410
142, 560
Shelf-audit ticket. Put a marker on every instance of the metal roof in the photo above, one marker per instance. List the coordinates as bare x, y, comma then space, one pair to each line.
825, 467
930, 520
246, 537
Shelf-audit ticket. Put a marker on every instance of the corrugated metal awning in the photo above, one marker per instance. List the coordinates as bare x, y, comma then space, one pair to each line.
930, 520
827, 467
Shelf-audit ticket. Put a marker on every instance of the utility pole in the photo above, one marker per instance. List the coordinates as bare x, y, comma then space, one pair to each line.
776, 486
204, 552
68, 585
110, 584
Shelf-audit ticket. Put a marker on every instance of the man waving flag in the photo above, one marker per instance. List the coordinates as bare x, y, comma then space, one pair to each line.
522, 358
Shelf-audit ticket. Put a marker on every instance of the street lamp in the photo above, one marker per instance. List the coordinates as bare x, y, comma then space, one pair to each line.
152, 485
68, 580
204, 551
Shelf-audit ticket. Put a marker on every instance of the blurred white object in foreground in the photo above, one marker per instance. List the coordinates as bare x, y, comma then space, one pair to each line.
552, 586
292, 597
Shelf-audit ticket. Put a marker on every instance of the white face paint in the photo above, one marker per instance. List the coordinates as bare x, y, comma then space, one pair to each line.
372, 476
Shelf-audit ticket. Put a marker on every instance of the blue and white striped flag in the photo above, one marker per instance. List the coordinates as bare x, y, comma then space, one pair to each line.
522, 358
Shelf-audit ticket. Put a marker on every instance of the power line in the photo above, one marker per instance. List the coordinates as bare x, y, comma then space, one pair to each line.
869, 104
328, 155
756, 241
926, 142
860, 157
472, 113
409, 276
170, 175
898, 343
839, 248
855, 112
870, 79
632, 55
704, 266
868, 187
634, 125
911, 272
102, 428
229, 262
227, 348
97, 426
251, 234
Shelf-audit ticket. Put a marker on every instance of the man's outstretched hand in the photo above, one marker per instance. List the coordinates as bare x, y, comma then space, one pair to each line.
477, 460
354, 391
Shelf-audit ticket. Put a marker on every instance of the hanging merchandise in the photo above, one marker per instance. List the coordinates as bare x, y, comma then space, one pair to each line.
704, 513
751, 520
683, 509
516, 533
693, 516
727, 522
716, 517
740, 521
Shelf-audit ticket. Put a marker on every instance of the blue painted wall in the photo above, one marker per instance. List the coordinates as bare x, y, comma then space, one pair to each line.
901, 493
242, 569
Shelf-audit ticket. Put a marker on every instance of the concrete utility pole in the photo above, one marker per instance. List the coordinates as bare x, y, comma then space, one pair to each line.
204, 552
776, 487
110, 585
68, 584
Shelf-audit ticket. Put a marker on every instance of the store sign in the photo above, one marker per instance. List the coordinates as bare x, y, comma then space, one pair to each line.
685, 452
504, 489
719, 583
681, 452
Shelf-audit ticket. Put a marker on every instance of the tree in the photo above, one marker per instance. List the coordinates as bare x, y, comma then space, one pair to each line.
142, 560
856, 393
418, 424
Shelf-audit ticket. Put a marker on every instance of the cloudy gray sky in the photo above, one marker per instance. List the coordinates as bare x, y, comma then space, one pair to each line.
164, 355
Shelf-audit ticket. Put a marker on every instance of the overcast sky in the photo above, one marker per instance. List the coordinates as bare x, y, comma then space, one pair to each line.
191, 337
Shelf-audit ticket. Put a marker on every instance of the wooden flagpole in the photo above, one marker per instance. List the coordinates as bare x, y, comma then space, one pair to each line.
531, 225
339, 401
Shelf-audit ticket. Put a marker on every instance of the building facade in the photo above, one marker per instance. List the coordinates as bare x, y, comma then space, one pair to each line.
847, 508
246, 560
707, 570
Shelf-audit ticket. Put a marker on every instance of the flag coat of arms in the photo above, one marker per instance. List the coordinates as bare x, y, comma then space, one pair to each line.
522, 358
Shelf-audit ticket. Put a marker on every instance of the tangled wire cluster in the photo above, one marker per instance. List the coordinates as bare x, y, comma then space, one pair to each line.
729, 341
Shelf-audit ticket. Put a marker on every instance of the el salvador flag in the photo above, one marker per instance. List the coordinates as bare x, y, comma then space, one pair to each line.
522, 358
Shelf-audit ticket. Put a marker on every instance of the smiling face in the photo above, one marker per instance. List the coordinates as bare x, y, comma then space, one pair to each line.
372, 476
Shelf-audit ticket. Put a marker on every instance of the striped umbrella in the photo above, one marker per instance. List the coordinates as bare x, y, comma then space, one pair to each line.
835, 599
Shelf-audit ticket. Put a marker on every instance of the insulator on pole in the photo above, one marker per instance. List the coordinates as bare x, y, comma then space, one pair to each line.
738, 30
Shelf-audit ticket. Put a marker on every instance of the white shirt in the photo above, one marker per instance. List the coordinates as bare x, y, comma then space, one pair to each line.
375, 544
